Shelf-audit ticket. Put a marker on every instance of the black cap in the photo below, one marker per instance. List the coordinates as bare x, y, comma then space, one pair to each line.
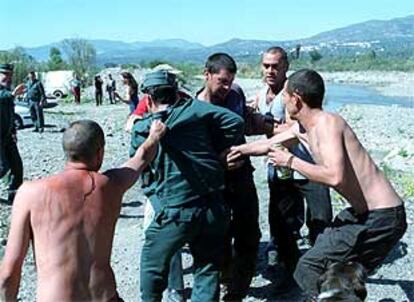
6, 67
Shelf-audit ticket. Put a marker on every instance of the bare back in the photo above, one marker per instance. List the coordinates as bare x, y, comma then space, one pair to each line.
333, 143
73, 217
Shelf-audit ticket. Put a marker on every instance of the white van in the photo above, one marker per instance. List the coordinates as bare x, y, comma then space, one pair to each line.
57, 83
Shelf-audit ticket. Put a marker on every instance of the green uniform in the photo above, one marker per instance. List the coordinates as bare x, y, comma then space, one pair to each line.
184, 183
9, 154
35, 95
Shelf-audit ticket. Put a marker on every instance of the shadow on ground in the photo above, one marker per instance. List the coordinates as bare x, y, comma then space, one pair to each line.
263, 288
132, 204
398, 252
406, 285
5, 202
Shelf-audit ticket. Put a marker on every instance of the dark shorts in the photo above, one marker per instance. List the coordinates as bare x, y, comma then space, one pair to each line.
365, 238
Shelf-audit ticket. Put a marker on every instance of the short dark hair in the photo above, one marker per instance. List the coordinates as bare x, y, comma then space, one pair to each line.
277, 49
308, 84
82, 139
164, 95
219, 61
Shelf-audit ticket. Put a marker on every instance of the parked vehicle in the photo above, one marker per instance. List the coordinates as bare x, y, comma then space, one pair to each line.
22, 117
57, 83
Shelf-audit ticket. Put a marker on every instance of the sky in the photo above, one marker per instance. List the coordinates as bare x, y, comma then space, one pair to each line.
30, 23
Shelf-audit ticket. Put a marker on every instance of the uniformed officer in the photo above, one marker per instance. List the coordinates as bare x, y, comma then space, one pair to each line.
9, 154
184, 183
35, 95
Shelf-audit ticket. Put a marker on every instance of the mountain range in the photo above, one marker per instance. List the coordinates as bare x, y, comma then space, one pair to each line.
393, 37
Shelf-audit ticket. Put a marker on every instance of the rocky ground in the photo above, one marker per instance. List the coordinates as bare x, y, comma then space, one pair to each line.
386, 131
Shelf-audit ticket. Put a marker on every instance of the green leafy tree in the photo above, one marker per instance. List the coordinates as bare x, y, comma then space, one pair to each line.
23, 63
315, 56
372, 55
55, 60
81, 56
110, 65
297, 51
155, 63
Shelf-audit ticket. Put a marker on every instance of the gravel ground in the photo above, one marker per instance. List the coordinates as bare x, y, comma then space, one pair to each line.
42, 155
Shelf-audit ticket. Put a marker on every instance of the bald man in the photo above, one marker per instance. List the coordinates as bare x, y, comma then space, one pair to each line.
70, 219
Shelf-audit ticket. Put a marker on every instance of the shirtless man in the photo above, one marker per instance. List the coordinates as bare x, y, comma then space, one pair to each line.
70, 219
376, 221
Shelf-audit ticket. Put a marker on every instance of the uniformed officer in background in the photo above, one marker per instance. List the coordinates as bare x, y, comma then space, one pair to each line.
35, 95
9, 154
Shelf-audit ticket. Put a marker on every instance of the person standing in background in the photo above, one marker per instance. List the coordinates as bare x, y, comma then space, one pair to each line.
131, 97
111, 88
76, 88
9, 153
36, 97
98, 90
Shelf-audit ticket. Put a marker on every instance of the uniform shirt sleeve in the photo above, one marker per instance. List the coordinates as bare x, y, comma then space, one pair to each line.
227, 127
139, 134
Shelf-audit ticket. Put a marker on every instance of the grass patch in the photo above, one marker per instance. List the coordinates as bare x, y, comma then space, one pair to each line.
404, 182
403, 153
407, 182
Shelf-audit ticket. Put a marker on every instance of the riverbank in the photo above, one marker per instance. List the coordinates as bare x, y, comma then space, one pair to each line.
387, 132
393, 83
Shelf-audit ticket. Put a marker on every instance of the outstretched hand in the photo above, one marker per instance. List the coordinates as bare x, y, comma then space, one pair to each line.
157, 130
19, 90
232, 158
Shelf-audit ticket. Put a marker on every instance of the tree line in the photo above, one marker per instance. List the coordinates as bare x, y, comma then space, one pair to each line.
80, 57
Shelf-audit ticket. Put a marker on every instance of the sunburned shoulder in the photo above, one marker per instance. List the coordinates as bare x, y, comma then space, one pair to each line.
29, 192
329, 119
37, 186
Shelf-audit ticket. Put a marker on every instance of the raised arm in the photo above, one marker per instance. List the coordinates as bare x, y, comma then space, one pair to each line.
262, 147
259, 147
17, 245
128, 173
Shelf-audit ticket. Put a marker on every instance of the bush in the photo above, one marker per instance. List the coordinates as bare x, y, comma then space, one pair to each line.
23, 63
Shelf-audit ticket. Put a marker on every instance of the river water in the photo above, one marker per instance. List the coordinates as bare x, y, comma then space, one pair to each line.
338, 95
